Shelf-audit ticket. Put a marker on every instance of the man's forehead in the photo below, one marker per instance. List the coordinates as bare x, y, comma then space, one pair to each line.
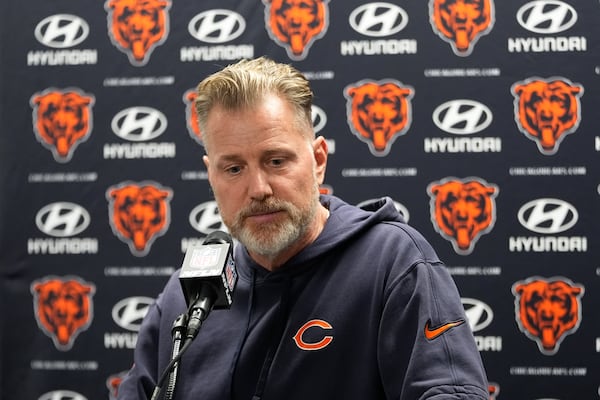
261, 149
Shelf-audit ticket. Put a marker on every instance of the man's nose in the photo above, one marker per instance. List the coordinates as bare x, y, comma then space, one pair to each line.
259, 186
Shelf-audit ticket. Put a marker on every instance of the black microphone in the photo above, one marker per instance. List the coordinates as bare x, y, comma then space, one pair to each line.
208, 278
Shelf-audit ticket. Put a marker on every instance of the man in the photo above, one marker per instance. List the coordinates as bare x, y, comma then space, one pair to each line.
332, 301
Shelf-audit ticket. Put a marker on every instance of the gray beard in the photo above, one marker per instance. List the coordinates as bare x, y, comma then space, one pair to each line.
271, 240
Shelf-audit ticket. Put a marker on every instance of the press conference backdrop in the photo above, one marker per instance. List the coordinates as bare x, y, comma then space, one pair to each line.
478, 118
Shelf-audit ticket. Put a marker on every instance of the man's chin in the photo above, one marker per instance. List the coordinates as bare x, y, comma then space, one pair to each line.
267, 240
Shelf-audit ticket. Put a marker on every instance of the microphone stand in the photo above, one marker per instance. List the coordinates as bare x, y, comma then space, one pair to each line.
184, 330
178, 332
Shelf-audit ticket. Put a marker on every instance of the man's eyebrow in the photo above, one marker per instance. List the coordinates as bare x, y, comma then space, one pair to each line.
227, 158
278, 151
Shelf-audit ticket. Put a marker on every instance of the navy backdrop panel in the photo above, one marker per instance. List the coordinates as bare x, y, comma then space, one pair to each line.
478, 118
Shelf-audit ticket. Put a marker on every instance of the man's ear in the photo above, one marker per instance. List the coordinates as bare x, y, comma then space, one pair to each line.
320, 153
206, 161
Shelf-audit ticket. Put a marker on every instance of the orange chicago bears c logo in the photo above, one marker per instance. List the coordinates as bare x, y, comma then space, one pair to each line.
319, 342
296, 24
136, 27
189, 98
62, 119
461, 22
63, 308
379, 112
139, 214
462, 210
547, 110
547, 310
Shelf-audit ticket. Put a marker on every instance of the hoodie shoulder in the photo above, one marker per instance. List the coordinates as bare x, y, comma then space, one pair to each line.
380, 218
346, 220
372, 211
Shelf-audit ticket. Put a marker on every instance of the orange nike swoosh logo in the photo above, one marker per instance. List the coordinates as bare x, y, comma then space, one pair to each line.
432, 333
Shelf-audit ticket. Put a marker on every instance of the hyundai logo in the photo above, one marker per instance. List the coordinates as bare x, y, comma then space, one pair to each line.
139, 124
61, 31
478, 313
62, 395
548, 216
378, 19
129, 313
462, 117
319, 118
217, 26
546, 16
205, 218
62, 219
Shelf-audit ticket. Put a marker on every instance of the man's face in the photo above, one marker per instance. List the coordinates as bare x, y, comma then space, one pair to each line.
265, 175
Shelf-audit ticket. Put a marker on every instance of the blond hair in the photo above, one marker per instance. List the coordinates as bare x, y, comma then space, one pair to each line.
245, 83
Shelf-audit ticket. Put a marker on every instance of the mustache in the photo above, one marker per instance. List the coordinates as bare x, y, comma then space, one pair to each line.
263, 207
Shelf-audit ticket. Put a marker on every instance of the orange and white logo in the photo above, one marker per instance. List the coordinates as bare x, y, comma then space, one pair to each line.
311, 337
461, 22
494, 390
379, 112
462, 210
113, 382
137, 27
325, 189
62, 119
63, 308
547, 110
547, 310
189, 99
139, 213
296, 24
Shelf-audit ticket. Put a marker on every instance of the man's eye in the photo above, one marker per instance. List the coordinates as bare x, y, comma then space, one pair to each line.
277, 162
233, 170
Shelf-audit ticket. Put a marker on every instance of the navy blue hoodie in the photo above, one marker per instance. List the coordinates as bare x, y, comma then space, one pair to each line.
352, 316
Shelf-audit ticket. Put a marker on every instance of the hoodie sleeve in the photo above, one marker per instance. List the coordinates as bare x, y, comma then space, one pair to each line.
426, 347
141, 378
